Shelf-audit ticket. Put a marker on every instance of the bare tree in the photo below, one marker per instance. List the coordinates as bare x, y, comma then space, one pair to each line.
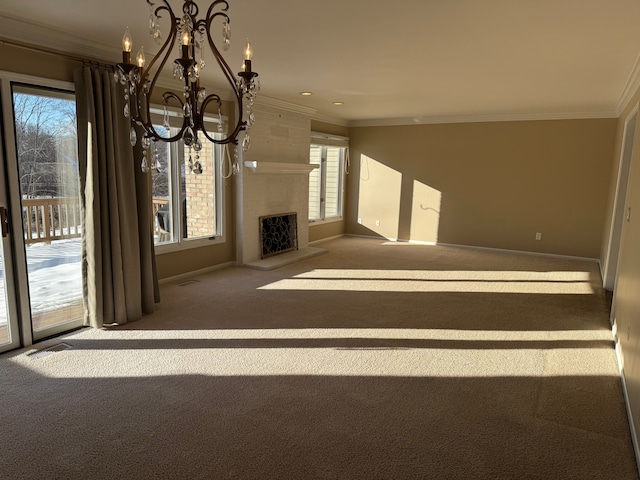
160, 179
46, 142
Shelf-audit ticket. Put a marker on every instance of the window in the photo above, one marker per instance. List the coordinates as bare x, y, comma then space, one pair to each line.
326, 181
186, 205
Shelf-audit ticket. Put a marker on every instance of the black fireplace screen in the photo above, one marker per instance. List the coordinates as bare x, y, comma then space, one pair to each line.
278, 234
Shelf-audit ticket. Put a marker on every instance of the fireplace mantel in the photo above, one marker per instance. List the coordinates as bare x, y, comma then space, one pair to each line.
278, 167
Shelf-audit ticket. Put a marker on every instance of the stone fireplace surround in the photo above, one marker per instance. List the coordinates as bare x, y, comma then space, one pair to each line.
274, 179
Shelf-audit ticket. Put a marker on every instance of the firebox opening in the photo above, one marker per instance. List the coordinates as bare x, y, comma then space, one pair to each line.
278, 234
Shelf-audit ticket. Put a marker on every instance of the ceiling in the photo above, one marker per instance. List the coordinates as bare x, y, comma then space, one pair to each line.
401, 61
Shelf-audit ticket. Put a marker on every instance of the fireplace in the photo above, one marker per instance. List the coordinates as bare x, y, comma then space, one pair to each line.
274, 182
278, 234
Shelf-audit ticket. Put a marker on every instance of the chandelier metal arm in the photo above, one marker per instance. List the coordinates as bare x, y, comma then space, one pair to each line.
167, 45
211, 98
142, 115
228, 73
225, 8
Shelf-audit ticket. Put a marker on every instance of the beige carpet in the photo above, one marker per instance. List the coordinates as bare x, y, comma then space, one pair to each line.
373, 361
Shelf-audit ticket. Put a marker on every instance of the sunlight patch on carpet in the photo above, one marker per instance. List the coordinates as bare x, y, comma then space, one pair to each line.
425, 286
354, 352
446, 275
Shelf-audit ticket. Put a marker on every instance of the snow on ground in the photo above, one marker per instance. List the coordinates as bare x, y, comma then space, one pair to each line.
55, 276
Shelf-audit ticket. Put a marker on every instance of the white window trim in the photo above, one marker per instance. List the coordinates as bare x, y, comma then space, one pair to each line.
183, 244
326, 140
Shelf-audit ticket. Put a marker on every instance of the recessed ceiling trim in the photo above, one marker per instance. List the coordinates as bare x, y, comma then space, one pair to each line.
482, 118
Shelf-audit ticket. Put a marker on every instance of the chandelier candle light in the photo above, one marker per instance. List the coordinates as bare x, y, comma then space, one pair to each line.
139, 80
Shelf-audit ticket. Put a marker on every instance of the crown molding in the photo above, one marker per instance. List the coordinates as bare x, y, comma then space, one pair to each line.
52, 40
630, 88
507, 117
332, 120
286, 106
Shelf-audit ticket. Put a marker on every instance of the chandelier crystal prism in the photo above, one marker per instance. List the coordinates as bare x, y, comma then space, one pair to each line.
190, 35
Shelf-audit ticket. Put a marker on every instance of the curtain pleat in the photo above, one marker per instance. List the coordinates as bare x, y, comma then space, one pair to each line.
119, 271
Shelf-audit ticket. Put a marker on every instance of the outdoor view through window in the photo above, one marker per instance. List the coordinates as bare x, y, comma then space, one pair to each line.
184, 203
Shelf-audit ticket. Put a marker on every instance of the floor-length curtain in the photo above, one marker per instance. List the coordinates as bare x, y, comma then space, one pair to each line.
119, 277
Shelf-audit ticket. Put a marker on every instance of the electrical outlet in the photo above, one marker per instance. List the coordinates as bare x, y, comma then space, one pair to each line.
377, 223
360, 221
538, 236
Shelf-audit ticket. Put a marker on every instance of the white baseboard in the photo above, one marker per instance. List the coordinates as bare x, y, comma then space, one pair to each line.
474, 247
601, 273
415, 242
194, 273
523, 252
322, 240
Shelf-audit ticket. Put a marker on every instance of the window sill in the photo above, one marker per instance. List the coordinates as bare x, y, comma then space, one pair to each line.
188, 245
326, 220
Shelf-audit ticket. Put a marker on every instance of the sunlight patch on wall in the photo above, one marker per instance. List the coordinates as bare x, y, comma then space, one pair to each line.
379, 197
425, 213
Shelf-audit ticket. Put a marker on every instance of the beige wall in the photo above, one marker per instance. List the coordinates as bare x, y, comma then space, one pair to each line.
322, 231
329, 128
484, 184
27, 62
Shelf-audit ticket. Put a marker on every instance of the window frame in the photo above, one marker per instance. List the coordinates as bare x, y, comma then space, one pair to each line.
176, 152
325, 141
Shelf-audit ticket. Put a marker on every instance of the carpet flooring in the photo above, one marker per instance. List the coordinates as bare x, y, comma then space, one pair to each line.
376, 360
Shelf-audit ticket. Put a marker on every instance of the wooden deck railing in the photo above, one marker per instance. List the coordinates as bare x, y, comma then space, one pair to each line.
48, 219
158, 203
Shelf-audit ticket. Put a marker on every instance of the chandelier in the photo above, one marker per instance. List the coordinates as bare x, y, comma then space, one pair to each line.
139, 80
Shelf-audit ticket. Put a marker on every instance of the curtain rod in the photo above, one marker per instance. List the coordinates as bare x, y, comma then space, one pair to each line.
47, 51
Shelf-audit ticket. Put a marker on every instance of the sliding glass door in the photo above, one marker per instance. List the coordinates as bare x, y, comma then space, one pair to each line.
41, 168
8, 316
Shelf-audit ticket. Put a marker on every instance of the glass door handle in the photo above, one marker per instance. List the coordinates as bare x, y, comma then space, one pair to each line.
4, 222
